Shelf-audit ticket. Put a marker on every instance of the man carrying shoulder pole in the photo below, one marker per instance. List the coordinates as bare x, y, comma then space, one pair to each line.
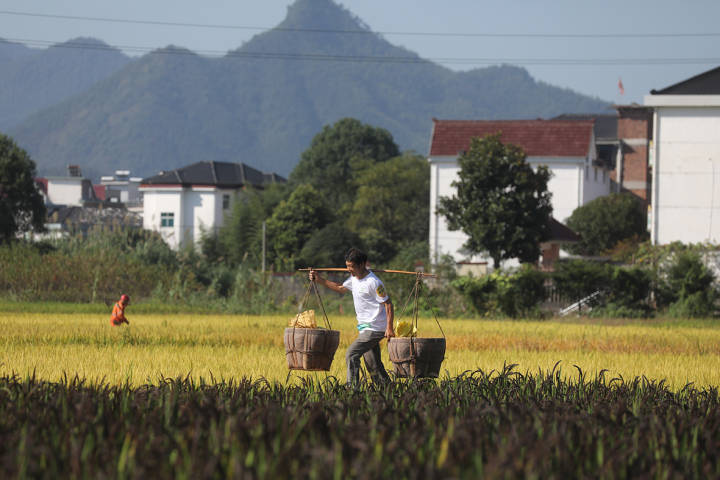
374, 312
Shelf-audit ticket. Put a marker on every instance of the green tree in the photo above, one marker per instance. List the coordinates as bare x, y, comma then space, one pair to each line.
294, 221
327, 246
21, 205
337, 153
240, 238
606, 221
501, 204
391, 205
576, 279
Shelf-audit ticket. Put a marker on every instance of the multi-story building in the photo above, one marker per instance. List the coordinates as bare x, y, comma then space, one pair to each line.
685, 157
566, 147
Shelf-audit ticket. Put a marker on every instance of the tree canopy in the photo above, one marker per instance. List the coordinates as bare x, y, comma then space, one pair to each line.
605, 221
501, 204
327, 246
352, 188
337, 153
392, 205
21, 205
294, 221
240, 238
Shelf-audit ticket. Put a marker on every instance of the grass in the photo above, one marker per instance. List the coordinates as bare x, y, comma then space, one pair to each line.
53, 345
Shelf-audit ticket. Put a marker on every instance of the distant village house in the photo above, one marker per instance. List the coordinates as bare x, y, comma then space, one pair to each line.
566, 147
121, 188
71, 190
185, 203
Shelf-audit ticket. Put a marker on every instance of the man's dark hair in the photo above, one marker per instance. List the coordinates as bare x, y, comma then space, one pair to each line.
356, 256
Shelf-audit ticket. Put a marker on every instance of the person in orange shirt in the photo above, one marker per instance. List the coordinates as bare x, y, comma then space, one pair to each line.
118, 314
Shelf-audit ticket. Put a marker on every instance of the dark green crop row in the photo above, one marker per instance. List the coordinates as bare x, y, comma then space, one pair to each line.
502, 424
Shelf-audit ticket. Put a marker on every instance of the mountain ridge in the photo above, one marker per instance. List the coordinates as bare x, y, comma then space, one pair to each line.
263, 102
26, 72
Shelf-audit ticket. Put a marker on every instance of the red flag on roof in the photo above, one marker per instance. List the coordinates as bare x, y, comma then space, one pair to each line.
621, 87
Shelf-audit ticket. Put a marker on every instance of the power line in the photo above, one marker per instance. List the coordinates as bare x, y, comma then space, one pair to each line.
366, 31
371, 58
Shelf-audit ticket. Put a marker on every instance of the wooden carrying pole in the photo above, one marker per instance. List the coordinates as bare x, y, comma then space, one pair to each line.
343, 269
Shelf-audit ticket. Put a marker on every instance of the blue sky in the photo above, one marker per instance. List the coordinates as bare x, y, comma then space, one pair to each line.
577, 44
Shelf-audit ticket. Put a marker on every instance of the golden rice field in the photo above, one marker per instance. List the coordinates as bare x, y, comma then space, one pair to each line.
225, 346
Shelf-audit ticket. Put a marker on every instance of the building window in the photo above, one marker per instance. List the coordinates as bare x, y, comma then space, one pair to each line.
167, 219
604, 175
226, 202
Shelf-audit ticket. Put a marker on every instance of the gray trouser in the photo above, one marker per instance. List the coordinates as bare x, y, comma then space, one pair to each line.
367, 346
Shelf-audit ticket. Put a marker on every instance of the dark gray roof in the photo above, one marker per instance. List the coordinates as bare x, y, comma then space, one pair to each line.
706, 83
561, 233
605, 124
219, 174
606, 136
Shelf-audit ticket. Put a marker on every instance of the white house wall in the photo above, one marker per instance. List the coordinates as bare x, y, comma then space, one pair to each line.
443, 171
221, 213
595, 184
65, 191
196, 210
568, 187
564, 185
164, 200
200, 211
687, 162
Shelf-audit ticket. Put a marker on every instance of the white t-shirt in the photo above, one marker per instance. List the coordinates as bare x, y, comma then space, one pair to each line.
368, 296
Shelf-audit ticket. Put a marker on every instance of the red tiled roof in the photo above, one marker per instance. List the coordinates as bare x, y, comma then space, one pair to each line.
539, 138
42, 183
99, 191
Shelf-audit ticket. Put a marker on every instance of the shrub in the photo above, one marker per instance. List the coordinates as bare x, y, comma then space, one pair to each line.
630, 287
480, 292
684, 277
605, 221
686, 286
626, 290
522, 293
222, 281
576, 279
696, 305
512, 295
444, 301
615, 310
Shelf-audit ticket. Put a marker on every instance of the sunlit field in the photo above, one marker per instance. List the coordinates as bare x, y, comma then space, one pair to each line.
53, 346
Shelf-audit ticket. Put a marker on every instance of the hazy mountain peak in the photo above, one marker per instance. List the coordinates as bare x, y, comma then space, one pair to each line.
321, 27
322, 15
86, 45
264, 105
83, 41
174, 50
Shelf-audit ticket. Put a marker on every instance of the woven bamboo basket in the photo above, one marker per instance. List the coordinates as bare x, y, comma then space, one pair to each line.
417, 357
310, 348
